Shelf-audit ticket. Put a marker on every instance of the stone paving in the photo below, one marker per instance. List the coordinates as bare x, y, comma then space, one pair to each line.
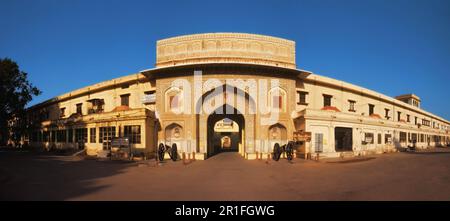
227, 176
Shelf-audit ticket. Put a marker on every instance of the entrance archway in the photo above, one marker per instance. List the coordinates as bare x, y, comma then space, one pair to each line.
228, 128
242, 114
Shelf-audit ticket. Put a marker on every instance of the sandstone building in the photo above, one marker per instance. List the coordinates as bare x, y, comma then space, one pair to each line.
145, 107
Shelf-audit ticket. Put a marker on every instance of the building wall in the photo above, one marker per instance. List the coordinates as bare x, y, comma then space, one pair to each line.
325, 121
195, 127
138, 114
223, 56
308, 117
257, 139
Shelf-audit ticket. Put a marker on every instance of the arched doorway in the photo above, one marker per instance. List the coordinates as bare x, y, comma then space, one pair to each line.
225, 131
243, 115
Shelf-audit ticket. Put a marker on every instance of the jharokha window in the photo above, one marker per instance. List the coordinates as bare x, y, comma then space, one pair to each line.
96, 106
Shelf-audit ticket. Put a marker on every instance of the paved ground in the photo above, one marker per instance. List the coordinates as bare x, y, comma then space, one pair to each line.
226, 176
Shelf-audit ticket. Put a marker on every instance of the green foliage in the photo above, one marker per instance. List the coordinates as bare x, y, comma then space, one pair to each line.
15, 93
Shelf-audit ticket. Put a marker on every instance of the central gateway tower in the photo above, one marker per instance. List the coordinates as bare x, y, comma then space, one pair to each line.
245, 80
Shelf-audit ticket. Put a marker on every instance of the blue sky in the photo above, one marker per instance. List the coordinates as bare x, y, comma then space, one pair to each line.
390, 46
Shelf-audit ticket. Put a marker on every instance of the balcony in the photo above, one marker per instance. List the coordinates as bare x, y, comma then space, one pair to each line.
96, 106
149, 99
95, 110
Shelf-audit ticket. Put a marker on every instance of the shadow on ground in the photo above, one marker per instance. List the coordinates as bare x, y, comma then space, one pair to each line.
428, 153
27, 175
226, 176
352, 160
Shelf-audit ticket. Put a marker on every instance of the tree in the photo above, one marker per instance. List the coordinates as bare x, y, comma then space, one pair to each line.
15, 93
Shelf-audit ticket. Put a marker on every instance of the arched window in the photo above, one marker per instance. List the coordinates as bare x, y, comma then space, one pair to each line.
174, 99
277, 99
173, 132
277, 132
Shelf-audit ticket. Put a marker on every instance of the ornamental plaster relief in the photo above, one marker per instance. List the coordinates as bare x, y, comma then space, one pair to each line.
226, 47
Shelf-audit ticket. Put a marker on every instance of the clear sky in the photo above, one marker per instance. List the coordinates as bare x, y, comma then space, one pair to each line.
390, 46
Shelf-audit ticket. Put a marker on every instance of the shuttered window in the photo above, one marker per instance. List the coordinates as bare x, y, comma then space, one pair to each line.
318, 143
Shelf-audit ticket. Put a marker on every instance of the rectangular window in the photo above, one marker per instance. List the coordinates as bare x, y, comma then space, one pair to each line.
327, 100
371, 109
81, 135
53, 136
407, 118
44, 115
70, 135
402, 137
351, 106
386, 113
379, 138
399, 114
39, 136
92, 135
61, 136
368, 138
414, 137
125, 100
318, 142
387, 139
34, 137
133, 133
105, 135
46, 136
62, 112
415, 120
302, 97
79, 109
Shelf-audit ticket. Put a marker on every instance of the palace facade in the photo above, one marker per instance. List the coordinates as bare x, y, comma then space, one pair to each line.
265, 100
